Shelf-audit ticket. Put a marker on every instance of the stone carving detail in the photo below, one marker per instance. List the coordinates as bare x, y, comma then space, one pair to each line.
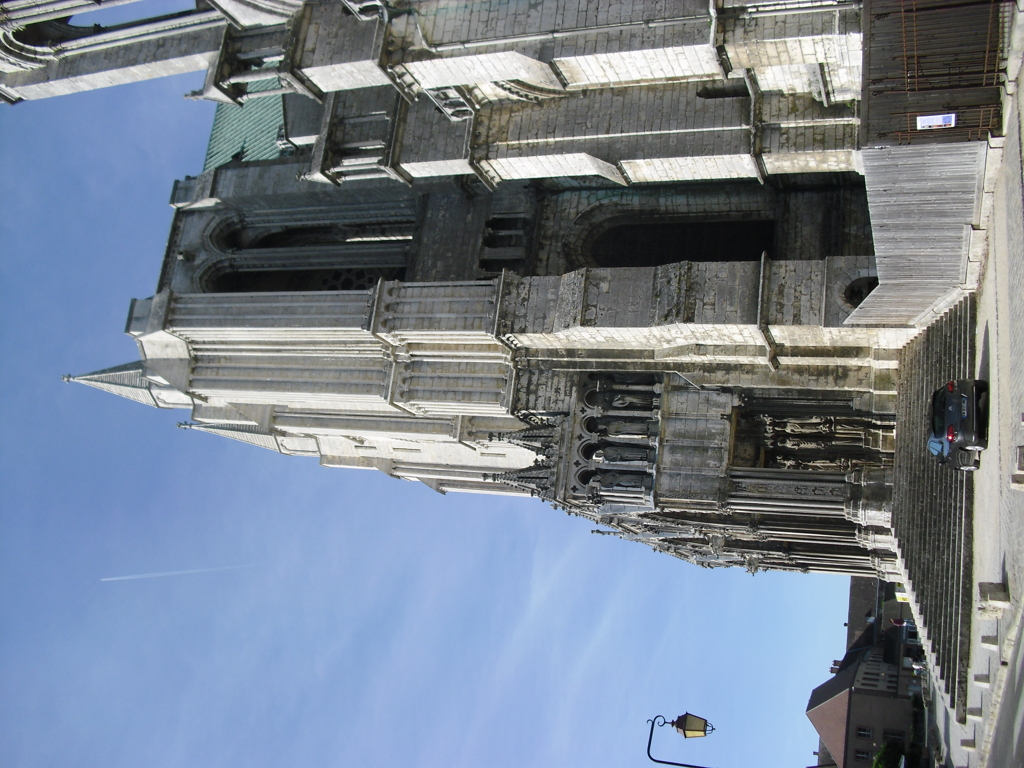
611, 480
614, 454
622, 400
612, 427
540, 438
616, 439
538, 479
789, 489
806, 441
839, 464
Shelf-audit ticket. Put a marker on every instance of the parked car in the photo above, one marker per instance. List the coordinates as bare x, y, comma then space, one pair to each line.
959, 421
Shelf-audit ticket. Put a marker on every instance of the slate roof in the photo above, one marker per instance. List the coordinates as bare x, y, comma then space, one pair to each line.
828, 708
251, 128
126, 380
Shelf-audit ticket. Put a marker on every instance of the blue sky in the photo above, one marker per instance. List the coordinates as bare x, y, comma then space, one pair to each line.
377, 623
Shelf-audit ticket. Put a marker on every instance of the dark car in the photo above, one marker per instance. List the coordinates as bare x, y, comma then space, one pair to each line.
959, 420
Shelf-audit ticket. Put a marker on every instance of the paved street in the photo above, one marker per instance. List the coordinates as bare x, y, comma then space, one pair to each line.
959, 533
999, 524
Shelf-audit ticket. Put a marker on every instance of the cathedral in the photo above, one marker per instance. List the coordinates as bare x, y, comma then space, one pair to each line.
616, 256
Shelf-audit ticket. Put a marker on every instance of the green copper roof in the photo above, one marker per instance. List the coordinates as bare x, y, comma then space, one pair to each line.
251, 128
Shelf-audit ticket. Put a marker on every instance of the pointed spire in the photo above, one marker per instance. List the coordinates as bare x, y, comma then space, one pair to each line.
244, 432
540, 438
126, 380
538, 479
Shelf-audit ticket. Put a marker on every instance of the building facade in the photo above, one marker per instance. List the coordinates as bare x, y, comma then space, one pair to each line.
875, 696
615, 256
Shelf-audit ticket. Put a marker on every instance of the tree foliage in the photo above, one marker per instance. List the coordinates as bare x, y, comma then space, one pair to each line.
888, 756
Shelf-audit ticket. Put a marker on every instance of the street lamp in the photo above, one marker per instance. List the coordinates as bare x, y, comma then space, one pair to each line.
689, 725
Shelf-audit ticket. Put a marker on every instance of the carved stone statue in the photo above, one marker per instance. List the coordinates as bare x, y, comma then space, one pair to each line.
808, 425
855, 423
803, 444
797, 444
616, 453
610, 480
839, 465
634, 401
620, 427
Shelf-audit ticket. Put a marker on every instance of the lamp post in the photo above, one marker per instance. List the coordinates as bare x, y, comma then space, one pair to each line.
691, 726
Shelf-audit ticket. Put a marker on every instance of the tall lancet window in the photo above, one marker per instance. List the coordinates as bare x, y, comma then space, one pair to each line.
260, 280
315, 257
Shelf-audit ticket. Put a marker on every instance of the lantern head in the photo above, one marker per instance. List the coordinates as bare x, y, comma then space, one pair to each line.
692, 726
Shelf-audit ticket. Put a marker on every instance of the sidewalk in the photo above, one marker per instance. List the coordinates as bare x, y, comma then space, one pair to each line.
991, 734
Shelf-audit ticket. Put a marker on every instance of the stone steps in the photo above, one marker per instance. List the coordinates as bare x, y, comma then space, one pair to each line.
933, 505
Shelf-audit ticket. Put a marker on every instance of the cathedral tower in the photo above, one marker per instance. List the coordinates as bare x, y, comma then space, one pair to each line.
612, 257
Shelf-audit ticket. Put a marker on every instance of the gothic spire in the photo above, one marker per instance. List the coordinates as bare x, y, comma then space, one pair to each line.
126, 380
244, 432
538, 479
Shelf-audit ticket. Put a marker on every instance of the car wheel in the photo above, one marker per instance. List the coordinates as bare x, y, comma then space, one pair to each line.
966, 461
975, 448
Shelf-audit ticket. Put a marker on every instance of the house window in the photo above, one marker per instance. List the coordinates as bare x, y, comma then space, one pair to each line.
861, 755
864, 733
893, 735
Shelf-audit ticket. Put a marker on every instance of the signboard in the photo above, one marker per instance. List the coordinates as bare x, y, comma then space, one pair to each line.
927, 122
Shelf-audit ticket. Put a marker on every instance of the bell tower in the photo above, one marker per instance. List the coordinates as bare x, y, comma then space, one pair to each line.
580, 255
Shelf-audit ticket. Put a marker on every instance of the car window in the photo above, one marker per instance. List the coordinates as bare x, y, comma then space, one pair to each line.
938, 412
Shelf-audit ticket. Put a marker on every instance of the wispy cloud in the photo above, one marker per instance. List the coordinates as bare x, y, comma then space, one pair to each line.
176, 573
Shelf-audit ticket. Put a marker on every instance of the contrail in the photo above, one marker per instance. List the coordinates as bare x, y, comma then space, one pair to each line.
176, 573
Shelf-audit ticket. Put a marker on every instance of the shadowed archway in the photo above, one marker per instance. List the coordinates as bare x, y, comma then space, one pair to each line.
650, 241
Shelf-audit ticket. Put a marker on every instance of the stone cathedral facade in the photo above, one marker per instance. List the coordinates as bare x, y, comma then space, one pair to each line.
610, 255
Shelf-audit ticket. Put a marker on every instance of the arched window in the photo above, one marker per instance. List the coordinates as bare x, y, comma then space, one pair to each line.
281, 280
233, 237
653, 241
319, 256
859, 289
295, 237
